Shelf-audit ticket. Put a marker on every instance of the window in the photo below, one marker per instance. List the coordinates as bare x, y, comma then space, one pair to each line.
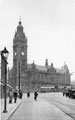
15, 53
52, 79
22, 53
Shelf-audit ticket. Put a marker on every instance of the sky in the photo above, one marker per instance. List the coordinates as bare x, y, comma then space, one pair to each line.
49, 26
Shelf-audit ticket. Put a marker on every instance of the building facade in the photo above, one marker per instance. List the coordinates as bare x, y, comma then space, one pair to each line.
32, 76
2, 77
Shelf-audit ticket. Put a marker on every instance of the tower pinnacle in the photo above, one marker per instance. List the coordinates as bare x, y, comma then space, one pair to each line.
20, 21
46, 63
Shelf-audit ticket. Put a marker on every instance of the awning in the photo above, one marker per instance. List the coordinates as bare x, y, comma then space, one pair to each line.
9, 86
1, 83
4, 85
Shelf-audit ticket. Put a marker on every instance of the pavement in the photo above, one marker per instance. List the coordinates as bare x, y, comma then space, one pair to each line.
11, 108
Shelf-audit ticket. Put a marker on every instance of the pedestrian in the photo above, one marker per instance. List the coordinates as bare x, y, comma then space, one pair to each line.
10, 94
35, 95
63, 93
28, 94
15, 96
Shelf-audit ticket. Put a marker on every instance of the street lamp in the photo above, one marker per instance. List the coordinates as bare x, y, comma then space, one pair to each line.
5, 53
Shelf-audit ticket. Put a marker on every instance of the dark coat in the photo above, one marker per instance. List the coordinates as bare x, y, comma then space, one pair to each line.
36, 94
15, 94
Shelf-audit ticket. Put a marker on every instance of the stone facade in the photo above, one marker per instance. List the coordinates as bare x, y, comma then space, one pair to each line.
33, 76
2, 75
47, 76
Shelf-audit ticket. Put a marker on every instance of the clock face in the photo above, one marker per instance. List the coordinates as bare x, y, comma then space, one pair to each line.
22, 53
15, 53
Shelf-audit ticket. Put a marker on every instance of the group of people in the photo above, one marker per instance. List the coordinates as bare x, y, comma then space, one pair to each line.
13, 95
35, 95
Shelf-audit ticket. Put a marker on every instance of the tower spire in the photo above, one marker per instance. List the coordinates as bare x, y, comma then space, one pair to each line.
46, 62
20, 20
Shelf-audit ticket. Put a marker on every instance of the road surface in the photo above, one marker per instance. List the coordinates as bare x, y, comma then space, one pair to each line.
45, 108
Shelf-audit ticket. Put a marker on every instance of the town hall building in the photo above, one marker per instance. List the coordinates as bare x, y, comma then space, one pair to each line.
32, 77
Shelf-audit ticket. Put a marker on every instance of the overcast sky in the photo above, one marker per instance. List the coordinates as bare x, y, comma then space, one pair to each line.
49, 26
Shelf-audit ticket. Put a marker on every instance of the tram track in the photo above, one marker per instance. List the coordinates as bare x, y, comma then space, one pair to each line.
64, 108
66, 103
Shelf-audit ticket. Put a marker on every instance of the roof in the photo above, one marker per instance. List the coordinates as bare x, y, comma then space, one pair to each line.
59, 70
43, 68
38, 67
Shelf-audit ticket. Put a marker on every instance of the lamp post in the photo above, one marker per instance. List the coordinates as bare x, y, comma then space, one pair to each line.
5, 53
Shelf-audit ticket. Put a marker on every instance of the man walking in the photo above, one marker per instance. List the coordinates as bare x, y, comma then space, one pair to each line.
35, 95
15, 96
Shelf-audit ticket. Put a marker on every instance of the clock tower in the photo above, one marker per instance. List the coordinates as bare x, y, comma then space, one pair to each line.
19, 56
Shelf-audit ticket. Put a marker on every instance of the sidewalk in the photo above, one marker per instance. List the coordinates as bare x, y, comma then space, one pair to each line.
10, 108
